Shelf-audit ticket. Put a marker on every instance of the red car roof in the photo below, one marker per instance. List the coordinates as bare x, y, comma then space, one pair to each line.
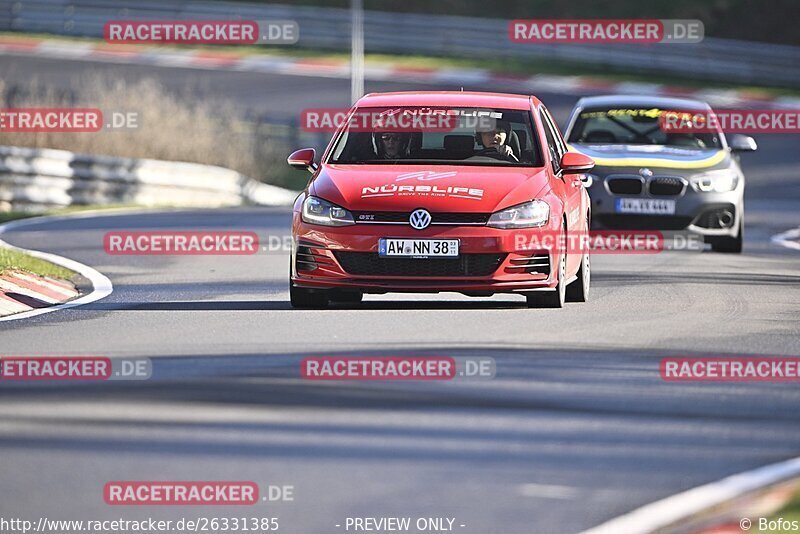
447, 99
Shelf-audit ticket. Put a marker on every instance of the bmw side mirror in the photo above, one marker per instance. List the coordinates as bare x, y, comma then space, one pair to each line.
303, 159
743, 143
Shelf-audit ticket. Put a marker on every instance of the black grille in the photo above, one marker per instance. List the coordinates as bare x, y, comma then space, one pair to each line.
305, 259
640, 222
436, 218
370, 264
666, 186
460, 218
625, 186
538, 263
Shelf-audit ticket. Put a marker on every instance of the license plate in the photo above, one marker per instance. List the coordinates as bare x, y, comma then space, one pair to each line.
418, 248
648, 206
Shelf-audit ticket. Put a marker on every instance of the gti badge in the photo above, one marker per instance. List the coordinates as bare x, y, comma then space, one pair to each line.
420, 219
646, 173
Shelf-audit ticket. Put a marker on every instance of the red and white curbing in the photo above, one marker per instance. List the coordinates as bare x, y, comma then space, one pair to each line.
22, 292
385, 71
10, 306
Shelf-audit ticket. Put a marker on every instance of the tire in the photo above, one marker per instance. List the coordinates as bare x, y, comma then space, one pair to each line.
553, 298
578, 291
344, 295
732, 245
307, 298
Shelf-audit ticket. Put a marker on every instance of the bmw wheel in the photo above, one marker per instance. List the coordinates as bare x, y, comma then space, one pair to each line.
730, 244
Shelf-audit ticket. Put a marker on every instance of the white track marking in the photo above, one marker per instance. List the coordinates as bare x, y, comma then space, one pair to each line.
788, 239
666, 512
549, 491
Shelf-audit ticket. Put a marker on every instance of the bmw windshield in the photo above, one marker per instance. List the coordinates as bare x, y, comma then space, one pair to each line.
635, 126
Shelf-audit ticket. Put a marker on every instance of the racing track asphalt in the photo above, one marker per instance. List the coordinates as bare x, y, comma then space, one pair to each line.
576, 428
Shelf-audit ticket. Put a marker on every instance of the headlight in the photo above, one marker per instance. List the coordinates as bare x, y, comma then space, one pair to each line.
528, 215
589, 179
720, 181
318, 211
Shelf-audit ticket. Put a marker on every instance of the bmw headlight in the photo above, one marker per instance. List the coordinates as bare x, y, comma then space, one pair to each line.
318, 211
527, 215
720, 181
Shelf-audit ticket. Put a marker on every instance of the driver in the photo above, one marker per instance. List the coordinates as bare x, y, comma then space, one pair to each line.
391, 145
492, 134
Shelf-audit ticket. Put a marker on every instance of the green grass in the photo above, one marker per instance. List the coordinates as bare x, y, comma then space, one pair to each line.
15, 260
789, 513
6, 216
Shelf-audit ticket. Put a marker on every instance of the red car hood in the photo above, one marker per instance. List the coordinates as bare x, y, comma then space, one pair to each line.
436, 188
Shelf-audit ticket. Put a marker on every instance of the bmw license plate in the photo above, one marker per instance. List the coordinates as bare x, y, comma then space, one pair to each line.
418, 248
647, 206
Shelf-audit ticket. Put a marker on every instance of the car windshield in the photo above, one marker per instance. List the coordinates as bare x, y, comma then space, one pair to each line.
444, 136
635, 126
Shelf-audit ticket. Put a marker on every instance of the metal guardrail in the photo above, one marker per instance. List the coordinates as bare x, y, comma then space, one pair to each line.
403, 33
32, 179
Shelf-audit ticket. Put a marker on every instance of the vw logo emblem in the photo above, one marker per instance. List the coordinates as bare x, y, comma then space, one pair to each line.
646, 173
420, 219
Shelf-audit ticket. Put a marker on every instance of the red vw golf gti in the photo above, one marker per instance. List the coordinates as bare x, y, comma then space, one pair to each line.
441, 191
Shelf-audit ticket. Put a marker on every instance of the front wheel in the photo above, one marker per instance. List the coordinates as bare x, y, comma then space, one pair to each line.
578, 291
301, 297
553, 298
346, 295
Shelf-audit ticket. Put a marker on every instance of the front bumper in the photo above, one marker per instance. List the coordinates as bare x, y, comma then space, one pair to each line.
490, 260
705, 214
